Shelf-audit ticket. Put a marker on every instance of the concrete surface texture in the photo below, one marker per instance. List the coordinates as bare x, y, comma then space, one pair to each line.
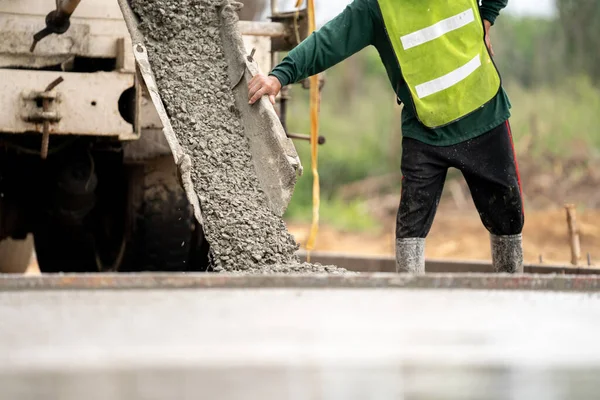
276, 162
299, 344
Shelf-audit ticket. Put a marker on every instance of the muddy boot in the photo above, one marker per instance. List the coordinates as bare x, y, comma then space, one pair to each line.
507, 253
410, 255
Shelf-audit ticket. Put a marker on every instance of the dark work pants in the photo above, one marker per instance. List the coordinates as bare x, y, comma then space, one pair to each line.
490, 168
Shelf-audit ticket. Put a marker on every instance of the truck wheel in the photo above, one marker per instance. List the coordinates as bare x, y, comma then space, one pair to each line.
164, 235
83, 226
15, 255
59, 249
140, 221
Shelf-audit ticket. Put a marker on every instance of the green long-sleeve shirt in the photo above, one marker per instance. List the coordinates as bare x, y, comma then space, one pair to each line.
360, 25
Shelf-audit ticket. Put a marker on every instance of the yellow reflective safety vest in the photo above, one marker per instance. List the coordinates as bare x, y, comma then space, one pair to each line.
440, 46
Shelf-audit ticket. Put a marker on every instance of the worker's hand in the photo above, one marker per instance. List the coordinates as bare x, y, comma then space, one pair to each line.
487, 24
262, 85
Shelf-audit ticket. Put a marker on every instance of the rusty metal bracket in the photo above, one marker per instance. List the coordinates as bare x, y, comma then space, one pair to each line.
46, 115
40, 116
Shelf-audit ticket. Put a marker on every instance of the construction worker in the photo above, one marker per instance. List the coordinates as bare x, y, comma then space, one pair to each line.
437, 54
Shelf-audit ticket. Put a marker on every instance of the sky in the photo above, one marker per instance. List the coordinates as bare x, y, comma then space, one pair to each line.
327, 9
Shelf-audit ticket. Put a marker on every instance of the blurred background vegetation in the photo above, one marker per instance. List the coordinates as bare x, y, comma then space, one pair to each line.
550, 68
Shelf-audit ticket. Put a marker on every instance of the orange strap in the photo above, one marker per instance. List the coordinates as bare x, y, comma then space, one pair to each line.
315, 99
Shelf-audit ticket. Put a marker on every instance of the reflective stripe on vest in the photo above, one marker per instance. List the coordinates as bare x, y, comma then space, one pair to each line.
441, 50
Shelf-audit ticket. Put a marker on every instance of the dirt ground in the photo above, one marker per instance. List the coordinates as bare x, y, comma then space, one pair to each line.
460, 235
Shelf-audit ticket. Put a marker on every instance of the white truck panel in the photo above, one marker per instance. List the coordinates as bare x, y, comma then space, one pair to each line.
88, 103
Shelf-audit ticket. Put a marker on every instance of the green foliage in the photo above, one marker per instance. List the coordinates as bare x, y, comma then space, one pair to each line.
529, 50
352, 216
561, 120
537, 51
580, 22
357, 118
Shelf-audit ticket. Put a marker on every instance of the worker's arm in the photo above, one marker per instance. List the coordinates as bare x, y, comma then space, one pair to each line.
489, 10
343, 36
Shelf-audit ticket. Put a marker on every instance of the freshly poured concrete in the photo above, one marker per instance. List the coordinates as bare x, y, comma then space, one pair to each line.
299, 344
239, 168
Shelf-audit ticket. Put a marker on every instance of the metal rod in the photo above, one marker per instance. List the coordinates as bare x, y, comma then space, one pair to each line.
274, 55
46, 132
300, 136
54, 84
46, 108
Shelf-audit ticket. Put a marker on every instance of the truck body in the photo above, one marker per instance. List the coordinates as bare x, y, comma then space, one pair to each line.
85, 166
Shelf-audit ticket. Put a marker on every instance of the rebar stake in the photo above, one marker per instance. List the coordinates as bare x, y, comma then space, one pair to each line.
573, 234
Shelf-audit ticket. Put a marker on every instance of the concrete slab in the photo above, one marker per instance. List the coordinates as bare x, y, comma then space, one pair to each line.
298, 343
565, 283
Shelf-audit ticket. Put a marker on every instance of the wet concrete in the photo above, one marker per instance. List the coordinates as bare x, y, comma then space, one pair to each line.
184, 45
299, 343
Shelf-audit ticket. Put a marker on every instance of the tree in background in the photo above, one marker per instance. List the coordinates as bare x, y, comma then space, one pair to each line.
580, 22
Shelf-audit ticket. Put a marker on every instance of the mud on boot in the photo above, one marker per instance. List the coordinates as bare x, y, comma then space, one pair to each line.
410, 255
507, 253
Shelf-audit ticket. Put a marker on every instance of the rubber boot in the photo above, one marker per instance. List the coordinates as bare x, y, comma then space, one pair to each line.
410, 255
507, 253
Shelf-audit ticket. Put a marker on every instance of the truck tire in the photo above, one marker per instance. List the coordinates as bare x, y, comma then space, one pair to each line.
165, 236
83, 226
15, 255
141, 221
60, 249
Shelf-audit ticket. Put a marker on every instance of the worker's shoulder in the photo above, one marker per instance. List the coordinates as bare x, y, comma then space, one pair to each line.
373, 7
365, 5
